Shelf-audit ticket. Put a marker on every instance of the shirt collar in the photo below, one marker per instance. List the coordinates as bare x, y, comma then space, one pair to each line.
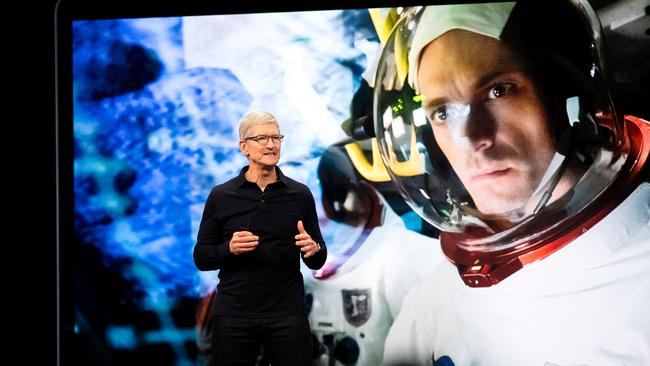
282, 179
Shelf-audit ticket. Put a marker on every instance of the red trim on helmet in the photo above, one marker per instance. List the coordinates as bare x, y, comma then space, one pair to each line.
484, 269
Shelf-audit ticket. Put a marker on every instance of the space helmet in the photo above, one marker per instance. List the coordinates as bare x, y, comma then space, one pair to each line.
346, 197
503, 115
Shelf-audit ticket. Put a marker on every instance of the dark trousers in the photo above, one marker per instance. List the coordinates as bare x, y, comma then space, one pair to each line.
286, 340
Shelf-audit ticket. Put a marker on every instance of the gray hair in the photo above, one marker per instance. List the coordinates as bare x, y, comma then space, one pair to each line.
255, 119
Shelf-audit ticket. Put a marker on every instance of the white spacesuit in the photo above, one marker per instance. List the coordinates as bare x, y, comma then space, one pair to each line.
584, 305
540, 188
361, 300
353, 300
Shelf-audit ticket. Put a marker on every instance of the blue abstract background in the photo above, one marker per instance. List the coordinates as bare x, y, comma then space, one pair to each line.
157, 102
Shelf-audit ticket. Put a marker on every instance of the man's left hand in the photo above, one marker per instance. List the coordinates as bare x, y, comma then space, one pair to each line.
304, 240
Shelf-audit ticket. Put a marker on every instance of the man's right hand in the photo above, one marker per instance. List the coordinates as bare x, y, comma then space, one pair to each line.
242, 242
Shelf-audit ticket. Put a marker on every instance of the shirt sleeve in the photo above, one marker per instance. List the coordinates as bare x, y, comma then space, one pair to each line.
311, 226
211, 250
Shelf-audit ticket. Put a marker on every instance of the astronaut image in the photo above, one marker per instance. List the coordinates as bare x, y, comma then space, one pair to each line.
521, 156
354, 298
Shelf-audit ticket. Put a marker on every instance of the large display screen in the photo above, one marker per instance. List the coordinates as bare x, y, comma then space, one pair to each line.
149, 100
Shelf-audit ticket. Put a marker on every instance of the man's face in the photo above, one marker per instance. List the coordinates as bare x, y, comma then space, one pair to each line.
263, 155
487, 117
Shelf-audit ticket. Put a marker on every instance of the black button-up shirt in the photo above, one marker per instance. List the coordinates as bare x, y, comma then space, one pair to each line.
266, 281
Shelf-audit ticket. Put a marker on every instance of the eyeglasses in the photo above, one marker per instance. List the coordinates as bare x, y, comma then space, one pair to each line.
263, 140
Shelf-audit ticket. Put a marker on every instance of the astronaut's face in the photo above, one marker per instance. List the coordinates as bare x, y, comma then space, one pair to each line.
487, 117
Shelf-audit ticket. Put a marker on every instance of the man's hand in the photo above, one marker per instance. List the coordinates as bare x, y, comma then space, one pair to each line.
309, 246
242, 242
